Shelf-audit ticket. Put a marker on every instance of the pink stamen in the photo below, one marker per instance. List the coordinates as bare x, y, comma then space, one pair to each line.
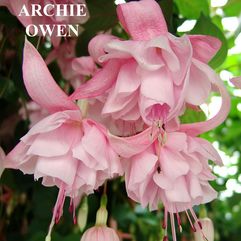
164, 225
75, 220
71, 208
195, 218
190, 221
173, 227
58, 210
179, 222
74, 216
198, 222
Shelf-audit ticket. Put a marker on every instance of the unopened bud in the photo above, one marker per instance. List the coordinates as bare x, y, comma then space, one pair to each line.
101, 216
83, 214
207, 231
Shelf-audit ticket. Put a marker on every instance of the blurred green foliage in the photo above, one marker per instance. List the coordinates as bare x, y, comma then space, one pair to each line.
26, 206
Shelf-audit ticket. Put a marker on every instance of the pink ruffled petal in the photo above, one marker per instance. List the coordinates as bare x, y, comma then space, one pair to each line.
52, 122
172, 164
130, 146
146, 56
204, 47
236, 82
209, 150
199, 84
60, 140
176, 141
84, 66
135, 17
162, 181
123, 93
195, 187
179, 193
97, 46
40, 84
16, 156
209, 194
61, 167
94, 143
154, 85
141, 166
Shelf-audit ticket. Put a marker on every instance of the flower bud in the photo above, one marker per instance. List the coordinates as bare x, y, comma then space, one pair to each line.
207, 231
101, 216
82, 215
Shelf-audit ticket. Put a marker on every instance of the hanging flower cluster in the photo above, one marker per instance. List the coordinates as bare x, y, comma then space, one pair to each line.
125, 120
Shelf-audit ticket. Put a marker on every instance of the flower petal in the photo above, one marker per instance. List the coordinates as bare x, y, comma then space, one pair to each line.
61, 167
236, 82
97, 46
204, 47
130, 146
84, 65
40, 84
204, 126
199, 84
100, 83
141, 166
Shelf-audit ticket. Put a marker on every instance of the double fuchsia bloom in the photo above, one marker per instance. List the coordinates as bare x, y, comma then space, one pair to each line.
172, 169
64, 149
142, 68
15, 7
153, 75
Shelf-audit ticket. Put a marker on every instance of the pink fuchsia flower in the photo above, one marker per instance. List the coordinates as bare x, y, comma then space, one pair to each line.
100, 233
172, 168
64, 149
15, 7
74, 69
236, 82
2, 159
207, 231
153, 75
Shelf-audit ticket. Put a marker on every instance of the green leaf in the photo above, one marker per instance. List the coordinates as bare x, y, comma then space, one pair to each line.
191, 116
232, 8
205, 26
192, 8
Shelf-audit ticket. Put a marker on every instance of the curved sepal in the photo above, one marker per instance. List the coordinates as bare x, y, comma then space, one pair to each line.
143, 20
40, 84
100, 83
204, 126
